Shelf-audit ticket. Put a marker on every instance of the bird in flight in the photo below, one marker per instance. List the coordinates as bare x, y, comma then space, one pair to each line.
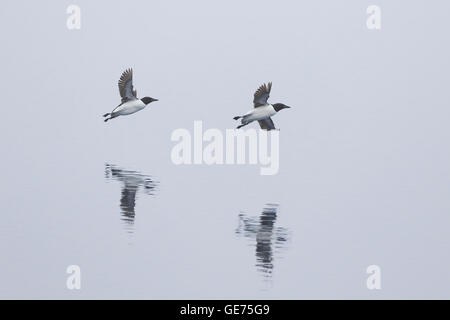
263, 111
130, 103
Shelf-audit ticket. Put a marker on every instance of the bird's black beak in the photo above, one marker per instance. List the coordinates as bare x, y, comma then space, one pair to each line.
155, 100
287, 107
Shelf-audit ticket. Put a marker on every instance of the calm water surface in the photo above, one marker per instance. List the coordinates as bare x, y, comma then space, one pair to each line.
364, 151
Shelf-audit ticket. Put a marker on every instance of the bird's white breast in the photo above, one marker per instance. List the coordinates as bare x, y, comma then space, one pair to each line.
129, 107
260, 113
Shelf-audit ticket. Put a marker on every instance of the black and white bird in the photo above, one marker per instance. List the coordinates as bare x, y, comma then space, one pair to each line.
263, 111
130, 103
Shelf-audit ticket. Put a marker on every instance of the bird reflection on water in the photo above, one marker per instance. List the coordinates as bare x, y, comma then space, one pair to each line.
270, 240
133, 183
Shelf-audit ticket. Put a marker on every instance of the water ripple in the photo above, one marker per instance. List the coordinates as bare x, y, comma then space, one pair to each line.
269, 240
133, 184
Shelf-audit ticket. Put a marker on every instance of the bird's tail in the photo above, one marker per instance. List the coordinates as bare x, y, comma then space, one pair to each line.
237, 118
106, 114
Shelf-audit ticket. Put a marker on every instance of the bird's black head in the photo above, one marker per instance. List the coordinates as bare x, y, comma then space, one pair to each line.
148, 100
279, 106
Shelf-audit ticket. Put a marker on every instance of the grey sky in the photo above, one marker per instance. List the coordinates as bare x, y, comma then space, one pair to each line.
364, 174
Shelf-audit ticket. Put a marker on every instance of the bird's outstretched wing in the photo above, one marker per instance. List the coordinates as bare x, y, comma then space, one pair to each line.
266, 124
126, 86
262, 95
